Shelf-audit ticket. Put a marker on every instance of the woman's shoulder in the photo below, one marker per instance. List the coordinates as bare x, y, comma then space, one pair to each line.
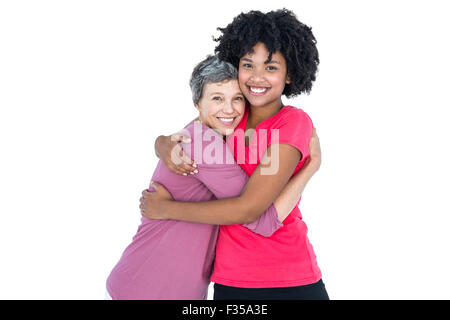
295, 128
197, 131
291, 110
206, 146
291, 114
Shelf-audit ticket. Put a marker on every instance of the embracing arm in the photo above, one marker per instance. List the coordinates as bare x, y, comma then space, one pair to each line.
263, 187
227, 181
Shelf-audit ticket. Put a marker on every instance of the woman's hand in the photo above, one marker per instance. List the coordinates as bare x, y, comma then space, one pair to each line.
152, 204
168, 149
315, 154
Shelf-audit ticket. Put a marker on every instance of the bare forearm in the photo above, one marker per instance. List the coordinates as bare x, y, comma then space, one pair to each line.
289, 197
220, 212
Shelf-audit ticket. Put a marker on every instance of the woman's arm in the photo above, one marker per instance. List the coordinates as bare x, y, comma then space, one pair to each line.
263, 187
228, 180
288, 198
292, 192
294, 132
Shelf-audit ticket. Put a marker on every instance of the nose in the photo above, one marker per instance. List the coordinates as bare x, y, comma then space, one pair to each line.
228, 107
257, 75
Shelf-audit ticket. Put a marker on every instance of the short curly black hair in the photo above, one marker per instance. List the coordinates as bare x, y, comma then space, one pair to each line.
279, 30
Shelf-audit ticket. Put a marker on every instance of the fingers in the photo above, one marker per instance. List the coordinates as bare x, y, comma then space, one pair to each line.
314, 144
180, 163
178, 137
314, 138
187, 166
314, 133
182, 169
315, 153
186, 160
141, 205
145, 195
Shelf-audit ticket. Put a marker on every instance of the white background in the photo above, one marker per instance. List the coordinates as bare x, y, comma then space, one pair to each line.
86, 86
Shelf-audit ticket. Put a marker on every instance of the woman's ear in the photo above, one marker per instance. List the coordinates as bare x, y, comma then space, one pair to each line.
288, 80
197, 106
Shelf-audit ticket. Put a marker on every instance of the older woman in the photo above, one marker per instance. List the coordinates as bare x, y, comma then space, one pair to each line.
170, 259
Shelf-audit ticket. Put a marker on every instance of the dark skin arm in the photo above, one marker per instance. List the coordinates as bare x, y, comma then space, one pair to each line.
259, 193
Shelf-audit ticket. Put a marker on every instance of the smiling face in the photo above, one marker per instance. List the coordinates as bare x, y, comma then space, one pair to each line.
262, 81
222, 106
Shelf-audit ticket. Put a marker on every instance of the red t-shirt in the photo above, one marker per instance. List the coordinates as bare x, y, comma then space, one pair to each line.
248, 260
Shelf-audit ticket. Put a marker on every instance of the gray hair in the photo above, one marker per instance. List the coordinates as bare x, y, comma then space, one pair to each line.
210, 70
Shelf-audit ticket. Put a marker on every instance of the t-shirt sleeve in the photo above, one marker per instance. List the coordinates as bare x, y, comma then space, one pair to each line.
227, 180
295, 129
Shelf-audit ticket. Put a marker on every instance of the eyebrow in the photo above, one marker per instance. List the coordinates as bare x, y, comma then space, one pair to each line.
221, 93
265, 62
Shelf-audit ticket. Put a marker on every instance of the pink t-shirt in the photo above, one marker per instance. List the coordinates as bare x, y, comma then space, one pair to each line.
287, 258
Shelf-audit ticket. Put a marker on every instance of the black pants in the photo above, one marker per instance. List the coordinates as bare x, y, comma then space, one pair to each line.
314, 291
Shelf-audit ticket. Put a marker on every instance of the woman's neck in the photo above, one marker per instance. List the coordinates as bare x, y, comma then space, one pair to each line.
261, 113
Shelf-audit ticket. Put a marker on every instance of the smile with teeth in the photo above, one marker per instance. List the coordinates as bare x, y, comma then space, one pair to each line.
258, 90
226, 121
